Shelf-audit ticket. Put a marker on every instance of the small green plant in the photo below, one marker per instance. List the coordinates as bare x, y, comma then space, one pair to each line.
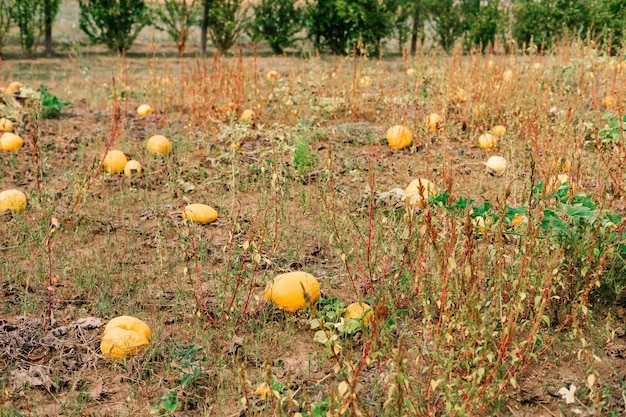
51, 105
178, 17
277, 22
168, 404
115, 23
613, 132
303, 159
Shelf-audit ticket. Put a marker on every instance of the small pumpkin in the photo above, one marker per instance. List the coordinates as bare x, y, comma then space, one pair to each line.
159, 145
399, 137
293, 291
272, 76
10, 142
433, 122
419, 191
496, 165
13, 88
144, 110
487, 141
360, 311
247, 116
200, 213
365, 81
498, 130
115, 161
6, 125
132, 167
507, 75
13, 200
123, 336
608, 101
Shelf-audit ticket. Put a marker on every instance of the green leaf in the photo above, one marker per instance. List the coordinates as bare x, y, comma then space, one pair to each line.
581, 213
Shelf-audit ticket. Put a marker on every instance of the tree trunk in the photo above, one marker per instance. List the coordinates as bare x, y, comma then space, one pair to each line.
205, 26
47, 9
416, 26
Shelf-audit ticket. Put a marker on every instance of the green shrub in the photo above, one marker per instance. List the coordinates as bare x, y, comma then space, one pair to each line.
340, 24
51, 106
276, 21
177, 18
483, 25
227, 21
5, 20
547, 21
115, 23
610, 22
446, 16
28, 15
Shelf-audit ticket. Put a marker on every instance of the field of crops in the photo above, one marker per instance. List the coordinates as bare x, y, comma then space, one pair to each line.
484, 235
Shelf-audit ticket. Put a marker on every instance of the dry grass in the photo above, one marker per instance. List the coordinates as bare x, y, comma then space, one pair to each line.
469, 320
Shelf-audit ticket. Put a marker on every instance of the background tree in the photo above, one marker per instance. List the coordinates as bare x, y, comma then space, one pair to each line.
419, 12
115, 23
177, 17
545, 22
50, 9
483, 24
227, 21
28, 15
339, 24
5, 21
276, 21
204, 26
610, 22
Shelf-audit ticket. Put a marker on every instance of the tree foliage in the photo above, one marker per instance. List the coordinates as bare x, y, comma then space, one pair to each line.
115, 23
277, 22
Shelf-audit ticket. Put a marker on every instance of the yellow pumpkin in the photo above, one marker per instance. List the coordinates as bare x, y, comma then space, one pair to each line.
608, 101
6, 125
13, 200
495, 165
419, 191
10, 142
498, 130
365, 81
125, 335
132, 167
247, 116
272, 76
144, 110
433, 122
487, 141
200, 213
159, 145
115, 161
293, 291
13, 88
399, 137
360, 311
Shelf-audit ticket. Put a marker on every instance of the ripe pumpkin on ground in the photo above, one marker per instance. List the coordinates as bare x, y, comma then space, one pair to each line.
132, 167
123, 336
293, 291
159, 145
419, 191
13, 200
360, 311
200, 213
114, 162
399, 137
247, 116
488, 141
6, 125
433, 122
144, 110
10, 142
